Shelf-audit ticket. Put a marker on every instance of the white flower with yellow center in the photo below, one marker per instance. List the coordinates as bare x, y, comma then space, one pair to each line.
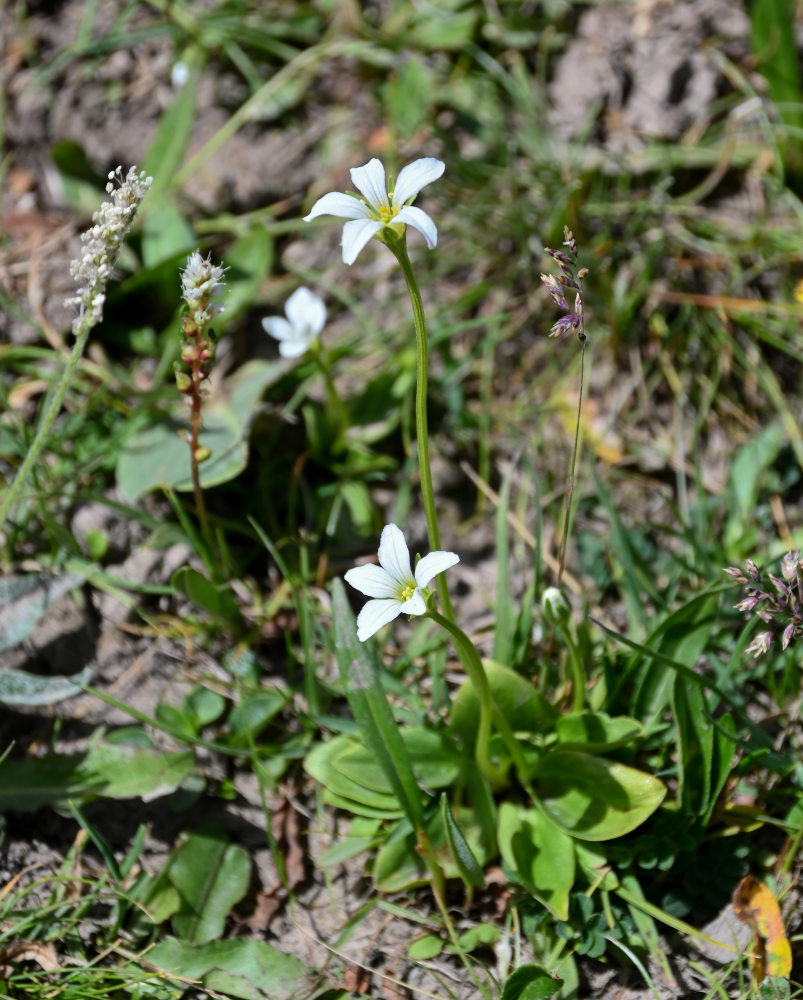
306, 315
391, 584
379, 208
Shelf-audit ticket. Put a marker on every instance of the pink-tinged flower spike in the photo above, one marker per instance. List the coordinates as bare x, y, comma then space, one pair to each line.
380, 208
391, 584
306, 315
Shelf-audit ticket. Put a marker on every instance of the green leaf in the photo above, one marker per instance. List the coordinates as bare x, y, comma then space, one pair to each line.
530, 982
106, 770
166, 234
240, 967
682, 636
468, 866
433, 757
480, 935
504, 629
593, 798
596, 732
541, 854
522, 705
409, 97
424, 948
166, 152
321, 764
251, 716
695, 747
159, 455
369, 704
210, 597
399, 865
211, 876
204, 706
248, 263
773, 40
774, 988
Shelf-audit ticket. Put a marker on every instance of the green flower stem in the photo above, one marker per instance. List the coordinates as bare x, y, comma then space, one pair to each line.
472, 663
576, 669
470, 659
335, 403
398, 247
46, 424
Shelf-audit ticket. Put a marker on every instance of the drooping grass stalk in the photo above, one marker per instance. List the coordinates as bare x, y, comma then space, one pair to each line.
398, 247
567, 509
102, 242
572, 319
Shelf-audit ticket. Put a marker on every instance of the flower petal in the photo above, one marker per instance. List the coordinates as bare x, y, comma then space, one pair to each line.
293, 348
342, 206
373, 581
370, 182
306, 311
374, 615
431, 565
278, 327
415, 606
418, 219
415, 176
394, 556
355, 235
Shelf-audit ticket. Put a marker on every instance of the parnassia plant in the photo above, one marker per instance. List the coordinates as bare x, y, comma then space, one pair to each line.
429, 796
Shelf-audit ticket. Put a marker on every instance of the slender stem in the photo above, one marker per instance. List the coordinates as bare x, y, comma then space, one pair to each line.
336, 405
195, 431
458, 947
46, 423
570, 489
472, 663
470, 659
398, 248
577, 671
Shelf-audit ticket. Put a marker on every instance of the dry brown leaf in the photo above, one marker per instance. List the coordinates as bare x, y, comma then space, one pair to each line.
755, 905
28, 951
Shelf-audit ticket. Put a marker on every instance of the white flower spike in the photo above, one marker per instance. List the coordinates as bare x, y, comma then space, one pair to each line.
379, 208
306, 315
394, 588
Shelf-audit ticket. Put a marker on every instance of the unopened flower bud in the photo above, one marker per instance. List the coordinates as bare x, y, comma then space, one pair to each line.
555, 606
202, 454
183, 382
789, 566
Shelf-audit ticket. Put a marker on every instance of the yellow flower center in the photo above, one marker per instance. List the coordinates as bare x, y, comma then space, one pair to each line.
406, 592
386, 213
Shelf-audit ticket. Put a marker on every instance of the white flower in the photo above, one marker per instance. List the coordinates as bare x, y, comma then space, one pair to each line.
380, 208
394, 588
201, 282
306, 315
102, 243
